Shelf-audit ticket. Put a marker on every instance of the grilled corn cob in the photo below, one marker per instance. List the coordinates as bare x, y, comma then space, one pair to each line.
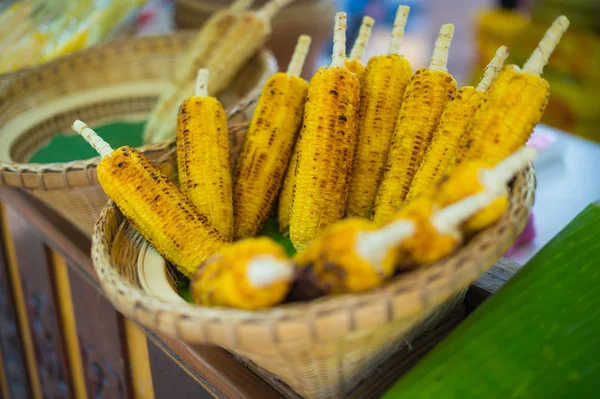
472, 177
354, 62
154, 205
352, 255
244, 37
382, 91
268, 145
453, 128
326, 147
437, 229
250, 274
515, 103
203, 157
356, 255
424, 101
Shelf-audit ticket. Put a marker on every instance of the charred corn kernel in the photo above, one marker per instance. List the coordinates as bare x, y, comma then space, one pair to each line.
203, 157
154, 205
326, 147
235, 46
514, 105
472, 177
382, 91
287, 191
453, 128
268, 145
352, 255
249, 274
424, 101
354, 62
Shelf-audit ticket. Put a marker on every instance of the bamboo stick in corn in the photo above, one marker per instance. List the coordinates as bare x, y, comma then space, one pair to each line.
424, 101
248, 33
515, 103
474, 176
354, 62
153, 204
203, 157
250, 274
382, 92
268, 145
452, 129
327, 145
355, 255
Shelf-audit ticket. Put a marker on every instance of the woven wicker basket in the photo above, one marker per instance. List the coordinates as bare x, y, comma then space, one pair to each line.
321, 348
117, 81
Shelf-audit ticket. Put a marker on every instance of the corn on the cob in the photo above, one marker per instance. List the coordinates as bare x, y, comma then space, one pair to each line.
355, 255
287, 192
472, 177
352, 255
452, 128
515, 103
201, 49
250, 274
438, 229
354, 62
245, 36
424, 101
203, 157
268, 145
382, 91
326, 147
154, 205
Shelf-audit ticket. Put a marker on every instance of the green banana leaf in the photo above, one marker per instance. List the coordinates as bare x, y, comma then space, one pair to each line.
537, 337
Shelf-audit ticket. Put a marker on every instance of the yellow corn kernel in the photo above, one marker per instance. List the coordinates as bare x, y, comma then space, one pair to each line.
250, 274
514, 105
326, 147
154, 205
382, 91
243, 38
354, 62
287, 192
424, 101
351, 256
203, 157
472, 177
268, 145
452, 129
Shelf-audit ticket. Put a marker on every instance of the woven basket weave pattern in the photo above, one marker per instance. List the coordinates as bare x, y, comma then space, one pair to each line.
324, 347
72, 188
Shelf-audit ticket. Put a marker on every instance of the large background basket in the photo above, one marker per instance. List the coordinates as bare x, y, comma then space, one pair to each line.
321, 348
118, 81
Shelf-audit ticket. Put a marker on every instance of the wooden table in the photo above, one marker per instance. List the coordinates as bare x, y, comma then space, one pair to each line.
60, 338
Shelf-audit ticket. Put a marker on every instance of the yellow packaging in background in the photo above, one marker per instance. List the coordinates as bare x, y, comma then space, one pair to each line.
573, 70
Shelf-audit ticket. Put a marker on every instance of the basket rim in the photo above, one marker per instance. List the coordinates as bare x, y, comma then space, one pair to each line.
419, 290
265, 56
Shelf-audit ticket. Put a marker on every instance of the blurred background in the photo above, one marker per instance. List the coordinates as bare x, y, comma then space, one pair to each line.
36, 31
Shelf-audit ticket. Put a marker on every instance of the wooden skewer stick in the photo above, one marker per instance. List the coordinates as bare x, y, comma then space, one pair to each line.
398, 30
540, 56
339, 41
299, 56
492, 69
439, 58
202, 83
266, 270
103, 148
269, 10
362, 41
